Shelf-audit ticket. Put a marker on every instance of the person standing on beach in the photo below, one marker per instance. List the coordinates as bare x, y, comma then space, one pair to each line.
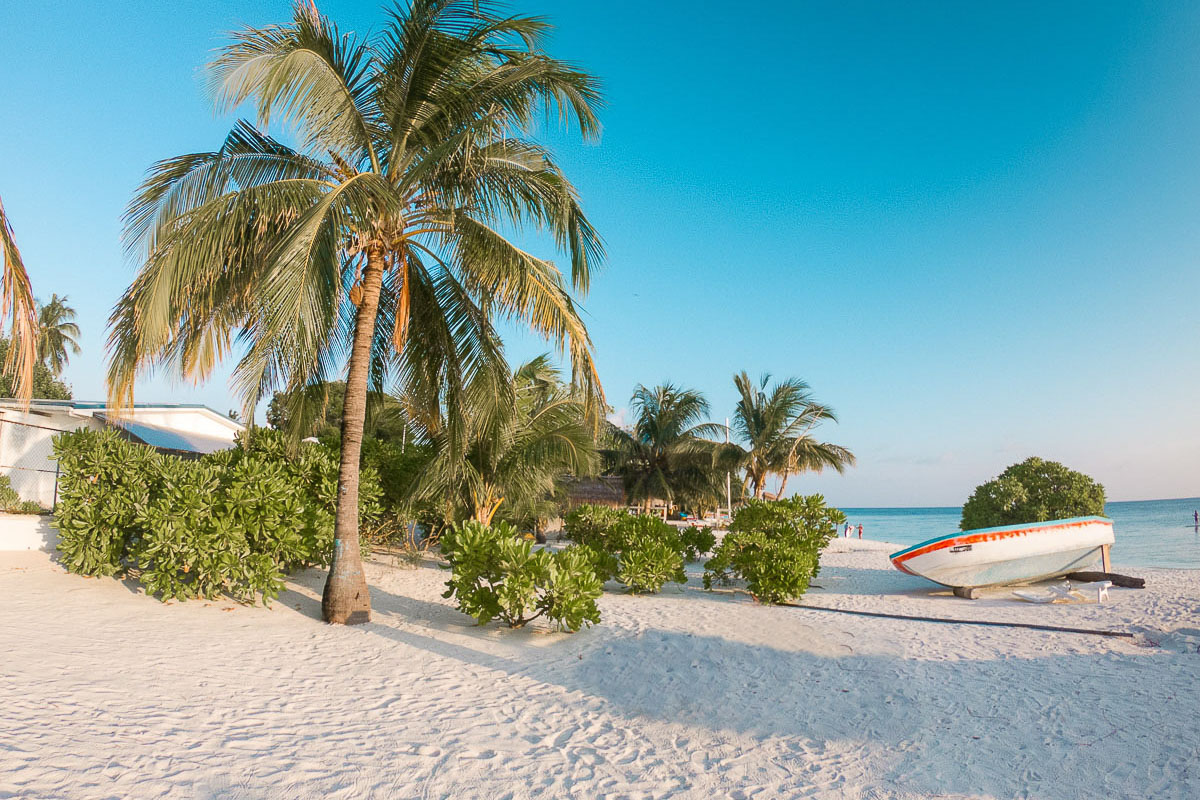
860, 530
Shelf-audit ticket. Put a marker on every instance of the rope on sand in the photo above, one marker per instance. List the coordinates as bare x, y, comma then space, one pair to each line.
988, 623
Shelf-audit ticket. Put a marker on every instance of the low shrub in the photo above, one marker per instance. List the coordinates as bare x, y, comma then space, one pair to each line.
234, 522
639, 550
589, 524
12, 503
697, 542
497, 575
774, 546
649, 552
1032, 491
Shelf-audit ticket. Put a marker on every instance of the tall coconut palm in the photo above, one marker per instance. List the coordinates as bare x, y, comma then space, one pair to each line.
774, 426
378, 240
669, 454
16, 296
516, 454
57, 333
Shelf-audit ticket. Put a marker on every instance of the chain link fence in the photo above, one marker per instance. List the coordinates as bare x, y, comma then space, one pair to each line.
27, 458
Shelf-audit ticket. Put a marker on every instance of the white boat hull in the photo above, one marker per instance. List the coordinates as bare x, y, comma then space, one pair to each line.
1011, 554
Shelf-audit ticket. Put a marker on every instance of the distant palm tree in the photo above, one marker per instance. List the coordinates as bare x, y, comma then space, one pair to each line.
57, 333
516, 454
17, 295
379, 242
669, 454
774, 426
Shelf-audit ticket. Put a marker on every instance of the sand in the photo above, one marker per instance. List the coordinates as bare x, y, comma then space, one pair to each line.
105, 692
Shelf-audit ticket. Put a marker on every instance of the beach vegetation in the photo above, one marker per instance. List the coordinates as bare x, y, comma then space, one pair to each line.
697, 542
589, 524
1034, 490
316, 410
374, 243
231, 523
18, 367
669, 454
774, 546
639, 550
497, 574
775, 427
513, 453
11, 502
45, 386
58, 335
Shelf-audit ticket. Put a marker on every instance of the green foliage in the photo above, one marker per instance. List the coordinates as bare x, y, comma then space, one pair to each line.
670, 453
234, 522
12, 503
57, 334
531, 431
775, 546
647, 564
496, 575
1032, 491
45, 385
775, 424
640, 551
589, 524
316, 410
9, 499
697, 542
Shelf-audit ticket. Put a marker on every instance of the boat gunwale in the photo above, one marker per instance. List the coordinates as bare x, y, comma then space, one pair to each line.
1020, 528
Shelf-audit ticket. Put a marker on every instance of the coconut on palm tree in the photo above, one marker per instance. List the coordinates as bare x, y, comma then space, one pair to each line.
775, 428
377, 240
516, 454
16, 298
57, 333
669, 454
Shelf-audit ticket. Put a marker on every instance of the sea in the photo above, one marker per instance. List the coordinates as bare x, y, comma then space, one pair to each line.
1149, 533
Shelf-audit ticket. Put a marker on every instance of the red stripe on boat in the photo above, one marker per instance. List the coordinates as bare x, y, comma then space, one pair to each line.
978, 537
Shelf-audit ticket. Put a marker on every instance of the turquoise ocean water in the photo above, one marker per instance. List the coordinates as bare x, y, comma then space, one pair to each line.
1150, 533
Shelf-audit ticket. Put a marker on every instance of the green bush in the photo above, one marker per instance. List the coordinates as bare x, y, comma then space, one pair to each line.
1032, 491
9, 499
589, 524
648, 564
697, 542
12, 503
234, 522
649, 552
775, 546
496, 575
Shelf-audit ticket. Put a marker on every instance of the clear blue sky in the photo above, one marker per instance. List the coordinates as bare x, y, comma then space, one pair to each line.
973, 229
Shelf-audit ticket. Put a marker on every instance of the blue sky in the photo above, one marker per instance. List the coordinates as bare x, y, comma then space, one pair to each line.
972, 229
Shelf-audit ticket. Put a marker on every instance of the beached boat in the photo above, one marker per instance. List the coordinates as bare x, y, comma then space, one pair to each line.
1010, 554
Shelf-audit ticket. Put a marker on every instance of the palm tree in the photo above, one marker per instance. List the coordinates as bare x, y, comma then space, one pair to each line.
57, 333
775, 425
16, 295
516, 454
668, 455
376, 241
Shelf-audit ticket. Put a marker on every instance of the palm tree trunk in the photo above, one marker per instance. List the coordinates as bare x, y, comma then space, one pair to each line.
783, 483
346, 599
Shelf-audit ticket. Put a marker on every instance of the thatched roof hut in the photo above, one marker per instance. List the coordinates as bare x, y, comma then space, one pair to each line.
602, 490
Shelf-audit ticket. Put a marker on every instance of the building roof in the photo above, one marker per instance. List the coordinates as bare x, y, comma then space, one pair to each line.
99, 405
604, 489
166, 438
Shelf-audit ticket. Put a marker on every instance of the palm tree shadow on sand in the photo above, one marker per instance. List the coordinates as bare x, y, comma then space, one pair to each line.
930, 726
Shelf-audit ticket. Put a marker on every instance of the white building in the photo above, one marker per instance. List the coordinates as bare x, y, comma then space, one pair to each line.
27, 453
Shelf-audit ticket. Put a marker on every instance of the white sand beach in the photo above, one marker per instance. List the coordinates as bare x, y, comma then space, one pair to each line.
107, 693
